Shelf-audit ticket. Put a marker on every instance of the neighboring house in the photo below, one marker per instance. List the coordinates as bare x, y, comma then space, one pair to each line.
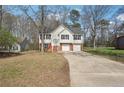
25, 44
63, 39
16, 48
119, 42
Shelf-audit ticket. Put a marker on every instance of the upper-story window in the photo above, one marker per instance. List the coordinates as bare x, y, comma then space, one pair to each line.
41, 36
66, 37
48, 36
77, 37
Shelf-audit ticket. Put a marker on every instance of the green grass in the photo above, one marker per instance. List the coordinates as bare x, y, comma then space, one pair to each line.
105, 51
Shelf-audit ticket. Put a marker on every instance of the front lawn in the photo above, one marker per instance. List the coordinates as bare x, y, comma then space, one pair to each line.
108, 52
34, 69
105, 51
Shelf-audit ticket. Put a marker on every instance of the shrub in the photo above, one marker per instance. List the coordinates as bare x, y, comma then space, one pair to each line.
6, 39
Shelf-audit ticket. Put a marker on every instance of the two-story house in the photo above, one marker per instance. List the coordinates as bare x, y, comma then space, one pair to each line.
63, 39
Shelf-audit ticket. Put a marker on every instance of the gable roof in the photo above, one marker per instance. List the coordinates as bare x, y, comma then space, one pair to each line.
48, 30
24, 43
74, 30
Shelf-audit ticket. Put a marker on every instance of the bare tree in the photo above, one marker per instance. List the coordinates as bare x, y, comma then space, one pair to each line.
1, 15
52, 21
95, 14
85, 28
9, 21
64, 12
117, 22
3, 9
57, 15
42, 19
103, 27
38, 19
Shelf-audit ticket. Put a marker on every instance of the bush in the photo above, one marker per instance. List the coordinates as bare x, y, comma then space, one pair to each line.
6, 39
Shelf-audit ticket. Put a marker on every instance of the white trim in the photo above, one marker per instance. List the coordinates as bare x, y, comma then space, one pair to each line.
63, 30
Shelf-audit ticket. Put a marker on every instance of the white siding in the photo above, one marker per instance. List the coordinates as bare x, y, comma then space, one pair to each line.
56, 36
45, 40
78, 41
39, 40
65, 32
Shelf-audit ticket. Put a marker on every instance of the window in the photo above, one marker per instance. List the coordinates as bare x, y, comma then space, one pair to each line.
15, 47
65, 37
77, 37
41, 36
48, 36
45, 45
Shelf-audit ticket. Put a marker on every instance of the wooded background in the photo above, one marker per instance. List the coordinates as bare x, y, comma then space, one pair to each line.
100, 25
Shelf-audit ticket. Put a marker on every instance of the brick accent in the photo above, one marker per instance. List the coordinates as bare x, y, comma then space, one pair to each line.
55, 48
71, 47
60, 47
49, 47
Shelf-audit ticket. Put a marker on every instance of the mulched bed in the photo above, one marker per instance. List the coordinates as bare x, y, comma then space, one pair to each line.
8, 54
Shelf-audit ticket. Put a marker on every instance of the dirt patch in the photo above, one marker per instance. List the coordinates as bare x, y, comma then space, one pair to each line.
34, 69
8, 54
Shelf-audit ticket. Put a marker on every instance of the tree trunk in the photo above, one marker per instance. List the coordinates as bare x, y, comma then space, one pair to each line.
1, 16
9, 49
42, 21
94, 42
42, 43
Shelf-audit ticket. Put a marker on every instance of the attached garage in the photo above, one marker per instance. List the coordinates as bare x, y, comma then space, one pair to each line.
65, 47
76, 47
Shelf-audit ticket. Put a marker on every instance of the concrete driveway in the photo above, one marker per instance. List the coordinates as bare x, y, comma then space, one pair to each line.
91, 70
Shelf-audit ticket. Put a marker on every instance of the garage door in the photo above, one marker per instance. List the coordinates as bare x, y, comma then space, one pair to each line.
76, 47
65, 47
